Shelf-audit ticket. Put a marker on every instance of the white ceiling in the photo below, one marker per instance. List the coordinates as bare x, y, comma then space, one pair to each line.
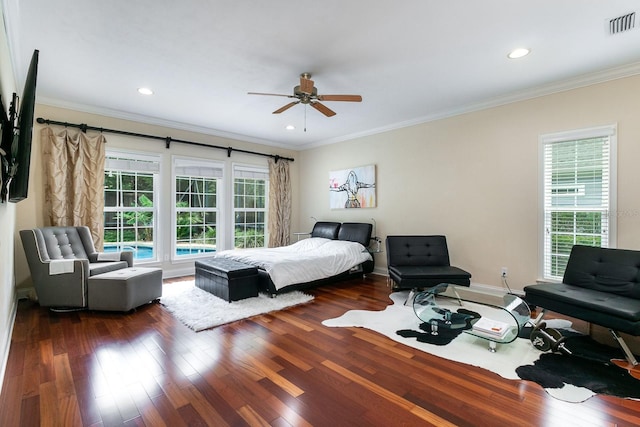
411, 60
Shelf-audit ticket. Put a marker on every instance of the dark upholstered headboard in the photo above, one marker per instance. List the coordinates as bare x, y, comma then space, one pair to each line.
356, 232
352, 231
328, 230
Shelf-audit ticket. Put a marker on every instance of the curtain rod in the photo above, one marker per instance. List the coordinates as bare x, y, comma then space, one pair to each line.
167, 139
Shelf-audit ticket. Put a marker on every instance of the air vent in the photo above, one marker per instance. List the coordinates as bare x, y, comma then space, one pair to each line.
622, 23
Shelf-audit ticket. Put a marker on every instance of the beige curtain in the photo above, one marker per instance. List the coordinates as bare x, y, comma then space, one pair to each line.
74, 180
279, 203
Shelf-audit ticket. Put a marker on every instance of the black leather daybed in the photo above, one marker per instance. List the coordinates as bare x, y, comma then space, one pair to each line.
335, 231
600, 286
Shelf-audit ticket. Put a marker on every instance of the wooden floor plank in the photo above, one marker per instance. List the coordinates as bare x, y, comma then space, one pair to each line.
29, 413
13, 410
49, 414
145, 368
251, 417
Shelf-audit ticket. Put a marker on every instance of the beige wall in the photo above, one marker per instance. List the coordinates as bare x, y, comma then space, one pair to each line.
474, 177
30, 211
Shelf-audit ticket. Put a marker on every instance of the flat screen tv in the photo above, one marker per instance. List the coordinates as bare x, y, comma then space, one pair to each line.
7, 138
8, 123
21, 154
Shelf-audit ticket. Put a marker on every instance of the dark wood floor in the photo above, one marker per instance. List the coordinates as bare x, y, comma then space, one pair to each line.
284, 369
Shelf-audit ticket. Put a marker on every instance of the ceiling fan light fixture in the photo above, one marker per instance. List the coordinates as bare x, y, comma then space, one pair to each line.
519, 53
145, 91
290, 127
307, 94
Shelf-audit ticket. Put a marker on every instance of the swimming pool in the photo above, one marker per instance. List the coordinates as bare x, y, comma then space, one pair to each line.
146, 252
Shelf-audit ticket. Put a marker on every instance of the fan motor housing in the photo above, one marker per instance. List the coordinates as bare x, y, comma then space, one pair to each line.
305, 98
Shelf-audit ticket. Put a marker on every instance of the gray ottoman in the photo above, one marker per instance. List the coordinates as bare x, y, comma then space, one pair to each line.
125, 289
227, 279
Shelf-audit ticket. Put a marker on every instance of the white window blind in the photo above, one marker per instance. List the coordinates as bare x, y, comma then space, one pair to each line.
131, 162
195, 168
577, 194
251, 173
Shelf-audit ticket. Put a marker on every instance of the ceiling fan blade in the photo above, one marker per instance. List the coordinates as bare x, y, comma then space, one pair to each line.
270, 94
323, 109
286, 107
350, 98
306, 85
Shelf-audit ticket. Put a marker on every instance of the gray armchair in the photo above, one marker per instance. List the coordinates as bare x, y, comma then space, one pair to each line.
61, 260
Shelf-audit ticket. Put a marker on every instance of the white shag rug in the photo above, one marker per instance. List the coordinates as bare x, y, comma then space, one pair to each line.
201, 310
465, 348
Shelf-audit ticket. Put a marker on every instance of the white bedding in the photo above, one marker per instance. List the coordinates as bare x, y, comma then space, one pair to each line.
304, 261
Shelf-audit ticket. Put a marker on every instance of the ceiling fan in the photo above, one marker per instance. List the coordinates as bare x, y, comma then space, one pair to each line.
307, 93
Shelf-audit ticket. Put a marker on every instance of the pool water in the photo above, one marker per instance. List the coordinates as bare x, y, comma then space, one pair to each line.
146, 252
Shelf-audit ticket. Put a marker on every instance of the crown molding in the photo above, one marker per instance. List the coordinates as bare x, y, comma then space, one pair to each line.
523, 95
115, 114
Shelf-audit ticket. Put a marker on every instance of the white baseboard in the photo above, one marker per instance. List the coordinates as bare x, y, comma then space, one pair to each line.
491, 288
6, 342
482, 286
380, 271
179, 272
26, 293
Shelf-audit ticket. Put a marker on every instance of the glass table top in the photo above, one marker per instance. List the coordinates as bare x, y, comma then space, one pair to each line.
494, 316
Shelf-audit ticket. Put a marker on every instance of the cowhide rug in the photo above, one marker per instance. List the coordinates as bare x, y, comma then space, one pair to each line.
567, 378
588, 366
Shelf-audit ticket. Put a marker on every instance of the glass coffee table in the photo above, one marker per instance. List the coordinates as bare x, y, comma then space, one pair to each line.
494, 316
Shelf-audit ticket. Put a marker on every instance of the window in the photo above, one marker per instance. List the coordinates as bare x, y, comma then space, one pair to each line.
578, 194
197, 201
130, 203
250, 191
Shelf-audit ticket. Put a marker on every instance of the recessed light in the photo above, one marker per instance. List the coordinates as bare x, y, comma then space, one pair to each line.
290, 127
145, 91
518, 53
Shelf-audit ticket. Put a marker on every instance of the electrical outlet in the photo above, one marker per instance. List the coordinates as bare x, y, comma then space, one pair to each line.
503, 272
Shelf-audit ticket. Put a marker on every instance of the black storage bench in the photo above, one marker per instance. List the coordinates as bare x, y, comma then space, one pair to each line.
227, 279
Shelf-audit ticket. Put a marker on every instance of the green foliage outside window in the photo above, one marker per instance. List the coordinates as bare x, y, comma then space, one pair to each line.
250, 238
193, 226
196, 210
125, 190
569, 229
249, 203
140, 224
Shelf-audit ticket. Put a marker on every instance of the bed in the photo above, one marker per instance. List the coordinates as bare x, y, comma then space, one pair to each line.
334, 251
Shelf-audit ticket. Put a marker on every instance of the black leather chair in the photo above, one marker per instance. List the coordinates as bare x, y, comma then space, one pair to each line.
416, 262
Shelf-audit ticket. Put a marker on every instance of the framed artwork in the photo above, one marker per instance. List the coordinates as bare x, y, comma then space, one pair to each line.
353, 188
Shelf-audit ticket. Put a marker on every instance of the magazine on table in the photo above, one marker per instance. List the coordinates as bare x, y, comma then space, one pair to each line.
491, 327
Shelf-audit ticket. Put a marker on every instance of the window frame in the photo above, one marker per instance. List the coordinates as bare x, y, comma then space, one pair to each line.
202, 164
608, 131
242, 171
155, 161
